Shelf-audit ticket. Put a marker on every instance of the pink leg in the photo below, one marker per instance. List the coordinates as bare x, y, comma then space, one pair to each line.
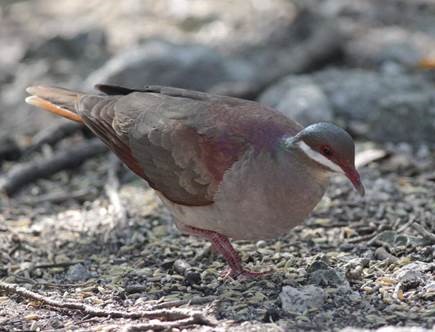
222, 245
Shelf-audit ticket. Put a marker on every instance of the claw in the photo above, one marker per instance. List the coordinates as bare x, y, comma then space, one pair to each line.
223, 246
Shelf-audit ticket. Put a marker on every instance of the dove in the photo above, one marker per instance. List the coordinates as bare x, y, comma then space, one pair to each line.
226, 168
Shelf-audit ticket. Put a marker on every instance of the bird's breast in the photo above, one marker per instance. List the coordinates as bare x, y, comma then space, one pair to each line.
262, 196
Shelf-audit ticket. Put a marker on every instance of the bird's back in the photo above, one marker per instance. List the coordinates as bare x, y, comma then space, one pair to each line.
183, 141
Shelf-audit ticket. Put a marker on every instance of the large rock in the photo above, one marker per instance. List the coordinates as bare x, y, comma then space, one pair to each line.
300, 98
394, 107
59, 60
163, 63
388, 47
405, 117
74, 55
240, 70
381, 106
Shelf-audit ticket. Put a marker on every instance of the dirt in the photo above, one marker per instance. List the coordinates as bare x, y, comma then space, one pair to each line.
93, 255
351, 247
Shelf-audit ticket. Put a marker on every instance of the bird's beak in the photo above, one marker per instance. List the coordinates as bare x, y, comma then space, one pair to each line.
354, 177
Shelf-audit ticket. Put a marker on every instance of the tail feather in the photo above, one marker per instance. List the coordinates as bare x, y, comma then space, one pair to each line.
56, 100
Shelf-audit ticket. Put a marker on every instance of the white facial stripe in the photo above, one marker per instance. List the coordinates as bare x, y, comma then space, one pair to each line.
316, 156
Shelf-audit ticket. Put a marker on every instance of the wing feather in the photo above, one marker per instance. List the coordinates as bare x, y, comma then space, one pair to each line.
182, 142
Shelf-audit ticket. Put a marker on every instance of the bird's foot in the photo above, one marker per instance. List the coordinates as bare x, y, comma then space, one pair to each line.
223, 246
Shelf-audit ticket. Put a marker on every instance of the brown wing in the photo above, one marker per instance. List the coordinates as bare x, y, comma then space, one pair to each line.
181, 141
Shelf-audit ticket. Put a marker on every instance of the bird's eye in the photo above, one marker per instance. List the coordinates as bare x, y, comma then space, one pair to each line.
326, 150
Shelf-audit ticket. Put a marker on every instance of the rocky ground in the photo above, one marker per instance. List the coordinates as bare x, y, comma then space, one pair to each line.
85, 245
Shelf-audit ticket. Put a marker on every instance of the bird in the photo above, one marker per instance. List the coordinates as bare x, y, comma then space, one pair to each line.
226, 168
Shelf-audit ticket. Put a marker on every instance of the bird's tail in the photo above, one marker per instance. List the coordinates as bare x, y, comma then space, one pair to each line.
55, 100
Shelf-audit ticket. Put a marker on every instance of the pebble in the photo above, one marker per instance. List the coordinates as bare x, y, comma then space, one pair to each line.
78, 272
298, 300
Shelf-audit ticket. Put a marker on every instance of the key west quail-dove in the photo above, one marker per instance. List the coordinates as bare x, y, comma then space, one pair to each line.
224, 167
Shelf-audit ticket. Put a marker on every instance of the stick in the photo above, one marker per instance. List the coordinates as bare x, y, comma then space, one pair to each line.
22, 175
368, 156
20, 279
195, 319
411, 220
58, 197
53, 134
112, 190
361, 238
427, 236
323, 45
382, 254
52, 265
172, 316
9, 149
178, 303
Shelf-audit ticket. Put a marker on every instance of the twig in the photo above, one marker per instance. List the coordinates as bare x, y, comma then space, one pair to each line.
368, 156
51, 265
67, 159
57, 197
326, 225
321, 46
427, 236
177, 303
20, 279
361, 238
53, 134
155, 325
172, 317
398, 291
411, 220
206, 251
382, 254
9, 149
112, 190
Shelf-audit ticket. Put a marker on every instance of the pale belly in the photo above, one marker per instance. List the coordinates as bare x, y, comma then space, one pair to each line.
259, 198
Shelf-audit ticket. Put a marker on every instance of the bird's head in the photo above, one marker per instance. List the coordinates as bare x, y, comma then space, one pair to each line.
331, 147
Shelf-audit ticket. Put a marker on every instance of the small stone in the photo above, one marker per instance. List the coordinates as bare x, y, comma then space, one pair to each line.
412, 274
192, 277
181, 266
3, 272
56, 323
271, 315
296, 300
167, 263
317, 265
382, 254
32, 317
261, 244
429, 291
328, 278
78, 272
391, 239
135, 289
354, 273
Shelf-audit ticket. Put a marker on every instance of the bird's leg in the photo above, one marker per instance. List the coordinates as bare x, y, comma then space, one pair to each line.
222, 245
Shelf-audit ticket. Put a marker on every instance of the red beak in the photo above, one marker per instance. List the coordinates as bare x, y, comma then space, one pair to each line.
354, 177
